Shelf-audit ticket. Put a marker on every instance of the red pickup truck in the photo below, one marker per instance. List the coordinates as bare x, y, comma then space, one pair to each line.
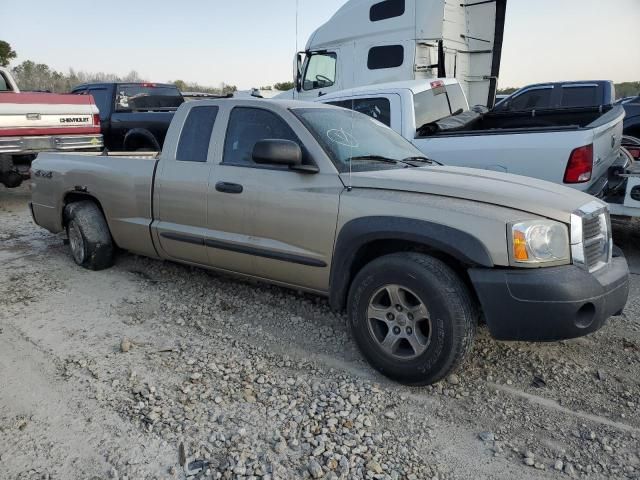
37, 122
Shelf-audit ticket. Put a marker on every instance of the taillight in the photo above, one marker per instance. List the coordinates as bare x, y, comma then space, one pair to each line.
580, 165
635, 152
96, 119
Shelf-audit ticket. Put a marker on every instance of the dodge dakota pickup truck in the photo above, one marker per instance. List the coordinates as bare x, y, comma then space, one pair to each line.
330, 201
35, 122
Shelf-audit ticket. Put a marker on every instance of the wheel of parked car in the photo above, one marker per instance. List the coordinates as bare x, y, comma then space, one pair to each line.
89, 237
412, 317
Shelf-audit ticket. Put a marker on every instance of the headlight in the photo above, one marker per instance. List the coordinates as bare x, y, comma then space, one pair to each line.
539, 241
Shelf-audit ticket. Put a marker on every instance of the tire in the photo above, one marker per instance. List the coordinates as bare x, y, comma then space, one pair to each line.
432, 332
89, 237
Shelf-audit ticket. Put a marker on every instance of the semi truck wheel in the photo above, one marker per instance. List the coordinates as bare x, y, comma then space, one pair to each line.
89, 237
412, 317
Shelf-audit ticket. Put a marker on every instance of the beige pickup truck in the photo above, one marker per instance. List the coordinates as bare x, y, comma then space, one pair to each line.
326, 200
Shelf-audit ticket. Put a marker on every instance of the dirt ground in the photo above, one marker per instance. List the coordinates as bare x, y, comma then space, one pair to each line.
157, 370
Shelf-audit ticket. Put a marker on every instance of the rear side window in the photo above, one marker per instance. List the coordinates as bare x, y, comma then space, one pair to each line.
247, 126
387, 9
388, 56
586, 96
532, 100
378, 108
147, 96
196, 134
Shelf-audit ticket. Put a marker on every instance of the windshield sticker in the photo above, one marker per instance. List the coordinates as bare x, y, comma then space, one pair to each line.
342, 138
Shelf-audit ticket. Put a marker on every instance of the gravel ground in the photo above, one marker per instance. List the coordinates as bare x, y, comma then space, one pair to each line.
157, 370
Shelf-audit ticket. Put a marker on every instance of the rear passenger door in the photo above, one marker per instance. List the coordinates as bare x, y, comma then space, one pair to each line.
181, 188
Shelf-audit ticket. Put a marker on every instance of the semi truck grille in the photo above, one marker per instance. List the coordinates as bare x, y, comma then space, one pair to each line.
591, 242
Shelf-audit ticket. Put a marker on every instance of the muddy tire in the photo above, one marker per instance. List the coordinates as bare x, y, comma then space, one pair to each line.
89, 237
412, 317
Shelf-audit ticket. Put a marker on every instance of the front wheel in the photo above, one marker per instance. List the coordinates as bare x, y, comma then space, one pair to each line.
89, 237
412, 317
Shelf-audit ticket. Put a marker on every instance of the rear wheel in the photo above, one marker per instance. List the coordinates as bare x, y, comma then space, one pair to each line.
89, 237
412, 317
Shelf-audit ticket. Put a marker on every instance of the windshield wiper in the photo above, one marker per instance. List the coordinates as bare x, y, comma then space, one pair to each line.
380, 158
421, 159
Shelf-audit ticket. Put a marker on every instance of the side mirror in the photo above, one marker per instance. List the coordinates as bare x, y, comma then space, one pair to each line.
277, 152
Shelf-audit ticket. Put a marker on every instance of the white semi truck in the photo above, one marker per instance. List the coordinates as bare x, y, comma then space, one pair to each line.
371, 41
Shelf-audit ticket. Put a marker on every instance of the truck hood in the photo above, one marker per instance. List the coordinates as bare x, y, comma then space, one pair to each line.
526, 194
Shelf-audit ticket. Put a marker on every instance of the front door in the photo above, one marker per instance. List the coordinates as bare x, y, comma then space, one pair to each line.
278, 224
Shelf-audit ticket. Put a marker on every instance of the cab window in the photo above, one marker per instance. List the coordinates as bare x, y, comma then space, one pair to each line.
378, 108
247, 126
196, 134
320, 71
532, 99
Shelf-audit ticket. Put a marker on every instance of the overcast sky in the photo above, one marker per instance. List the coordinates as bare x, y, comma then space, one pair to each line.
251, 43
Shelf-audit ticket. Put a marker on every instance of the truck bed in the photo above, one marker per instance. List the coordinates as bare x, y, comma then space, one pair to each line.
534, 144
124, 185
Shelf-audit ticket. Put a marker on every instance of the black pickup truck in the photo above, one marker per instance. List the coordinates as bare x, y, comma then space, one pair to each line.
133, 116
591, 93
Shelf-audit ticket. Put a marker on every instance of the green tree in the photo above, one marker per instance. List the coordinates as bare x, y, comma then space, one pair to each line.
283, 86
181, 84
6, 53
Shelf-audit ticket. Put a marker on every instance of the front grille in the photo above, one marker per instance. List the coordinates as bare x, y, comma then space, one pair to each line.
591, 249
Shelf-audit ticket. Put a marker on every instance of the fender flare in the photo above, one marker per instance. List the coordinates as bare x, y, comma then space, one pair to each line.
143, 134
360, 232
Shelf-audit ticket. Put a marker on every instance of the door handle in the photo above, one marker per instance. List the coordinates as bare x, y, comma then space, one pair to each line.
226, 187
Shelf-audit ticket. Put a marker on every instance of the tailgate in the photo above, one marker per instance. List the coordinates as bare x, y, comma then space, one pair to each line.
607, 139
35, 113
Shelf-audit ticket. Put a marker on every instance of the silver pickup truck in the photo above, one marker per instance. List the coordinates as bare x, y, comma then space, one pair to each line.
318, 198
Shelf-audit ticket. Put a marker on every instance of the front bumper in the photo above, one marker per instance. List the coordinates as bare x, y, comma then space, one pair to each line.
48, 143
549, 304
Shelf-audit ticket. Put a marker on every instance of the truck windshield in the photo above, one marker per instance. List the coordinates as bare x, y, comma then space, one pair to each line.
438, 103
147, 96
352, 138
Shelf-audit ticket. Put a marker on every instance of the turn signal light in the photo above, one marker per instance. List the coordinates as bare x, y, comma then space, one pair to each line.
580, 165
520, 246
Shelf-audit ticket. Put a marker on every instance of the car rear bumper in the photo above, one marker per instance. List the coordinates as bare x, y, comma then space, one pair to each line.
550, 304
47, 143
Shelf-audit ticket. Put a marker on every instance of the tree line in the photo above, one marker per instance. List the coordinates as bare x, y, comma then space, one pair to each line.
38, 76
32, 76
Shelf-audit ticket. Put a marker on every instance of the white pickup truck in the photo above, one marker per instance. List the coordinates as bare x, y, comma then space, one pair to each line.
578, 147
33, 122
